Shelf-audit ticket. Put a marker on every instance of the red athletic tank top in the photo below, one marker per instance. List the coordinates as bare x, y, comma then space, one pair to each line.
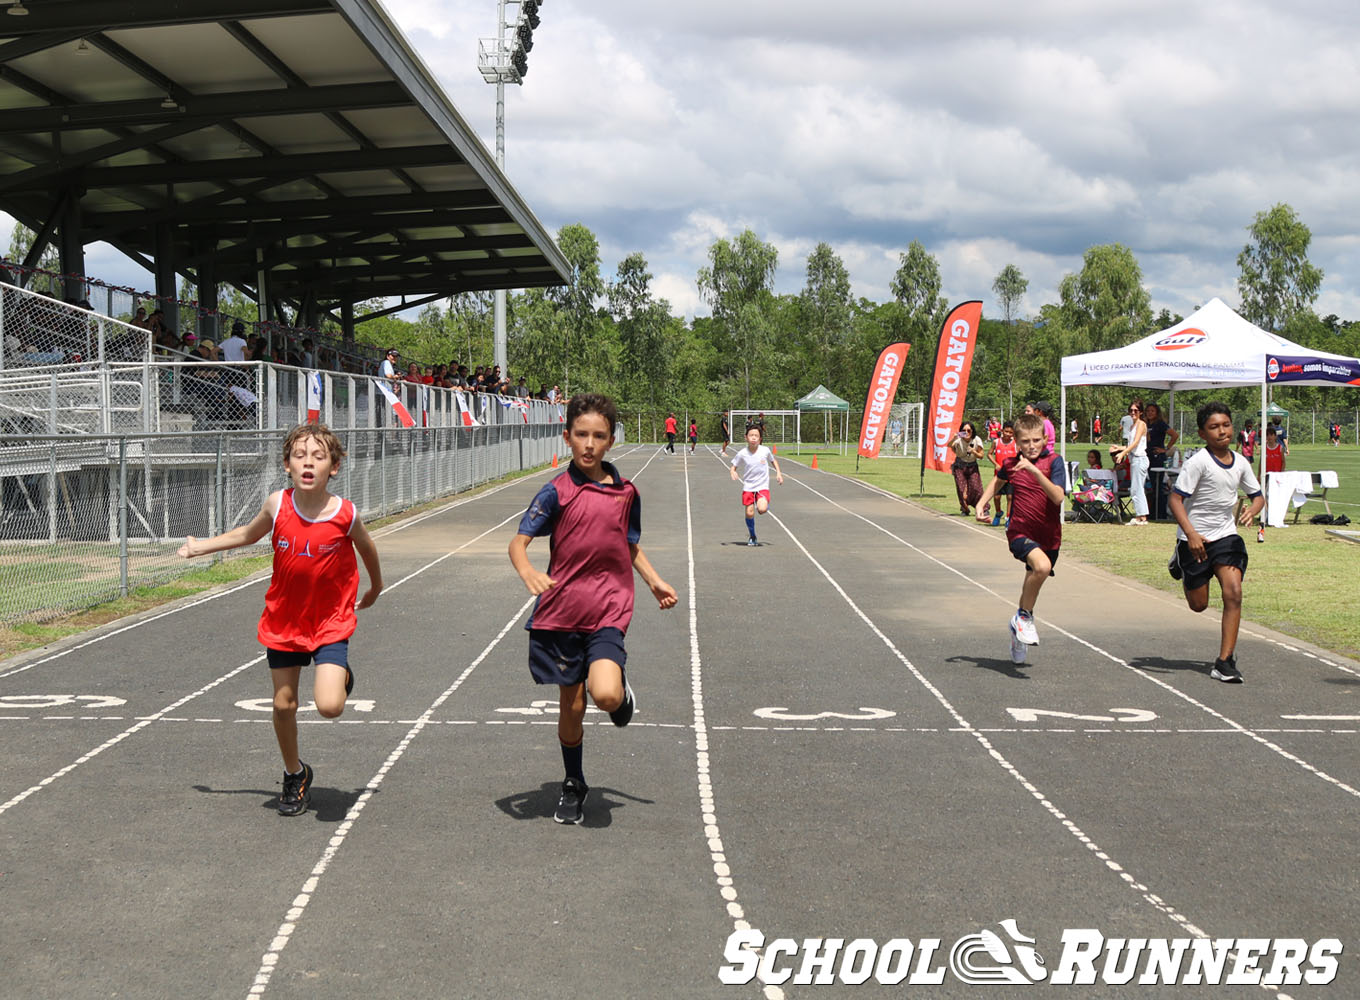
311, 597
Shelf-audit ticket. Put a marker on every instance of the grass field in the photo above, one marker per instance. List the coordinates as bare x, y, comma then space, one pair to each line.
1302, 581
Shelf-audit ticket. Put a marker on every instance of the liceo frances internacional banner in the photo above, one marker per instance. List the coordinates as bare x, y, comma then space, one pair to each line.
949, 387
882, 392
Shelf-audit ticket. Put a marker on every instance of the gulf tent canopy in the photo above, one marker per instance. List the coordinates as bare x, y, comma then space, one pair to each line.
822, 400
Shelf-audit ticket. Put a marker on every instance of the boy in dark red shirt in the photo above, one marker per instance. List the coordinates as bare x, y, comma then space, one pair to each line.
1038, 481
585, 601
313, 593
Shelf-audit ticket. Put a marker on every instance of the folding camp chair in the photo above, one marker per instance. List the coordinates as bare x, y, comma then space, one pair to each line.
1099, 502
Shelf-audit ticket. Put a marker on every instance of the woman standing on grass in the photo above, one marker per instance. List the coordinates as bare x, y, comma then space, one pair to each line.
1136, 452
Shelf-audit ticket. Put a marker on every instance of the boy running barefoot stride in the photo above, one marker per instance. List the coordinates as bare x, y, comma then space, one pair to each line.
1208, 545
593, 517
313, 594
1038, 481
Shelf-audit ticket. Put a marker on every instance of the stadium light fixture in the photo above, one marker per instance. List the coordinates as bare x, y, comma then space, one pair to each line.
501, 60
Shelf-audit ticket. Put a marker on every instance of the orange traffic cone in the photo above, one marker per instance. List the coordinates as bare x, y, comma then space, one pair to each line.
554, 461
774, 449
814, 461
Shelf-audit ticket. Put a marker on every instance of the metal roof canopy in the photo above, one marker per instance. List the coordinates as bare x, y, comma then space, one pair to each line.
302, 138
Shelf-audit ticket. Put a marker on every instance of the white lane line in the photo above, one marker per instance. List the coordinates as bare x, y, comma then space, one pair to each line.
722, 871
1164, 685
1104, 575
285, 930
1128, 878
162, 715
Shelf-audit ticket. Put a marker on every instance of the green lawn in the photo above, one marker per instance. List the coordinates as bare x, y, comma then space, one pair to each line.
1302, 581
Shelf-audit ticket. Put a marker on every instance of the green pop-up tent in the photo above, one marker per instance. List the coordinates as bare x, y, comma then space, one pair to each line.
823, 400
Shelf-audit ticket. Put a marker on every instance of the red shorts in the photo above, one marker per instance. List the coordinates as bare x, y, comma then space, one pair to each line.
747, 499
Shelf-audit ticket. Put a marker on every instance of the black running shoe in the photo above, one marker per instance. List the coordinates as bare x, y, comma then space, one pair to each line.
1226, 671
573, 798
752, 541
623, 715
349, 681
297, 792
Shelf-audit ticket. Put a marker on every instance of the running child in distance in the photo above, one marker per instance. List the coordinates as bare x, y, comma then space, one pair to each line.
693, 434
593, 517
1208, 545
309, 609
1038, 480
726, 434
754, 463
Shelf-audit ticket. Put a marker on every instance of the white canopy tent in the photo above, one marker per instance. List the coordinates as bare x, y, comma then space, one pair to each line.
1212, 347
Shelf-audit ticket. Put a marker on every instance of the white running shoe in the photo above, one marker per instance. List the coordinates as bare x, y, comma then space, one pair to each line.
1022, 627
1018, 648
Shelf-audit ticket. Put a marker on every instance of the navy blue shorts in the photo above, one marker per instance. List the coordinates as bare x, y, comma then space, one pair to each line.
332, 652
1229, 550
564, 658
1021, 547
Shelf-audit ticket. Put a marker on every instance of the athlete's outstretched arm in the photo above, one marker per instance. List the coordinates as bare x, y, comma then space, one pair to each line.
368, 552
246, 534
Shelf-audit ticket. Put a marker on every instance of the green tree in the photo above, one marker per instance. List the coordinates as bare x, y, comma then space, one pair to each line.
916, 289
1105, 304
20, 243
576, 299
1009, 287
737, 286
643, 324
471, 324
1276, 280
825, 303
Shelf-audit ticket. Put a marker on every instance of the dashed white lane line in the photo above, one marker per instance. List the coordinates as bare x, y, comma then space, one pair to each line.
722, 870
1153, 899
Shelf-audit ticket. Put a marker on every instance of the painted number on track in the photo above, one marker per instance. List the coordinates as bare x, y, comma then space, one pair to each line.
58, 700
267, 705
782, 714
1116, 715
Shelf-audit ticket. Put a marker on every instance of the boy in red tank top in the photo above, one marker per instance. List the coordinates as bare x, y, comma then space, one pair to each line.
314, 593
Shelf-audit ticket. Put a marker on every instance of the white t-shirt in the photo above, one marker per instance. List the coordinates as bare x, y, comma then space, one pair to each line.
1209, 490
753, 468
233, 348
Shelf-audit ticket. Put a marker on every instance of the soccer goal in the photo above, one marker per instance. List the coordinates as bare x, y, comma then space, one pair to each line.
781, 426
905, 431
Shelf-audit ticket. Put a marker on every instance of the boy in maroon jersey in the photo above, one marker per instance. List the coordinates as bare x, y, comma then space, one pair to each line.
1038, 481
585, 601
309, 608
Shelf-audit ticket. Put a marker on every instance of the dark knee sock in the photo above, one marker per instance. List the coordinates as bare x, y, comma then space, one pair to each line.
571, 760
751, 526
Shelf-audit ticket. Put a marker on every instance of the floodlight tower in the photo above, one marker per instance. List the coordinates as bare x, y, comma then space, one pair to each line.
505, 60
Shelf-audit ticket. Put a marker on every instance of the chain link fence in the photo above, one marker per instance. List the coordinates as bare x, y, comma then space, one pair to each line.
84, 520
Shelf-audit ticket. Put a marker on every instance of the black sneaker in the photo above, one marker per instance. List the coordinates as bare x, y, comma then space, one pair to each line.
623, 715
573, 798
349, 682
297, 792
752, 541
1226, 671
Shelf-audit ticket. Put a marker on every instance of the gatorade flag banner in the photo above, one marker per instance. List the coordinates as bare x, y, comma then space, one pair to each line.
465, 417
314, 397
398, 407
882, 392
949, 387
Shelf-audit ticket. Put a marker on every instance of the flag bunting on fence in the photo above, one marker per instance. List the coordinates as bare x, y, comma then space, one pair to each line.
949, 387
511, 403
314, 396
882, 392
465, 417
398, 407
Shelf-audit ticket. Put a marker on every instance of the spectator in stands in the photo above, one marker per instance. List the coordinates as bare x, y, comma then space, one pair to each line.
234, 347
140, 319
413, 373
308, 353
388, 368
458, 376
522, 388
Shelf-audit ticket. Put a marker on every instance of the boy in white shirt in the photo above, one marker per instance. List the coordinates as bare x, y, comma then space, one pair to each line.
754, 463
1208, 544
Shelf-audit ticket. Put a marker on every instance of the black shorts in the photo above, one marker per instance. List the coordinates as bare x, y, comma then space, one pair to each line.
564, 658
1021, 547
1229, 550
332, 652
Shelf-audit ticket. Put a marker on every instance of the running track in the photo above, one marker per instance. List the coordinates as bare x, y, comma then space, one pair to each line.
831, 742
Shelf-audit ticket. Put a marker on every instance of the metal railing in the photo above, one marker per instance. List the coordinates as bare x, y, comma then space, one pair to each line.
85, 519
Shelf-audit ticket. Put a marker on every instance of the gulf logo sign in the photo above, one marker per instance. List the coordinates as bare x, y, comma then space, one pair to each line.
1181, 339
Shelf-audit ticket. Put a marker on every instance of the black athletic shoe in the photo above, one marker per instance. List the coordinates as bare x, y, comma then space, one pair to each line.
752, 541
297, 792
349, 681
1226, 671
573, 798
623, 715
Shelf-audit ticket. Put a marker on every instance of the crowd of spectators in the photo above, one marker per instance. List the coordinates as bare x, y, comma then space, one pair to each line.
484, 378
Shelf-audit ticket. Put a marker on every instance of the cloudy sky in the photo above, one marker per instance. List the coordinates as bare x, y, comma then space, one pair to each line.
992, 131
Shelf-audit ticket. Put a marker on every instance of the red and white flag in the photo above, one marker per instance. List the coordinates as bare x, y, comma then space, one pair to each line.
424, 406
398, 407
949, 388
882, 392
314, 396
516, 404
465, 417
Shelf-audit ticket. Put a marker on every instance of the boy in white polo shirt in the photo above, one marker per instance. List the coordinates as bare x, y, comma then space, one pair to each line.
1208, 544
